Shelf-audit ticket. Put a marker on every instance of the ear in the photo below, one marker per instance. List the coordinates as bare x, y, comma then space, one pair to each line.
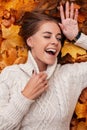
29, 42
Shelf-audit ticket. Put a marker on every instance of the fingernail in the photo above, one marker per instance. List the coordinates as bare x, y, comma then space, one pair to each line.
32, 71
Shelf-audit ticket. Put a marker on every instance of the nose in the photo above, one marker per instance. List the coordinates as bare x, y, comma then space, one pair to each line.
54, 41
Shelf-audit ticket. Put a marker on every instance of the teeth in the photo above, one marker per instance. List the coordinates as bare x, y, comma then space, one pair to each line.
52, 50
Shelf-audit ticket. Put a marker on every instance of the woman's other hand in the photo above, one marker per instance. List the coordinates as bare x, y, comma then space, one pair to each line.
69, 23
36, 85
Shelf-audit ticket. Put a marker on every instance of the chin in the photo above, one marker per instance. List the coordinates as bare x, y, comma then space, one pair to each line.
51, 62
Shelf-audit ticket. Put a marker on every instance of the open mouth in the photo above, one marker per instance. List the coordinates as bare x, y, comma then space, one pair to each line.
51, 51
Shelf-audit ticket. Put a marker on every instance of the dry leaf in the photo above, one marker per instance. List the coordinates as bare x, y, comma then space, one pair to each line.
81, 110
81, 126
2, 65
72, 50
20, 60
9, 56
81, 18
10, 32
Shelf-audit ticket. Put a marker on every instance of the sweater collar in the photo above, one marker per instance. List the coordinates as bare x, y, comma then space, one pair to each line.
31, 65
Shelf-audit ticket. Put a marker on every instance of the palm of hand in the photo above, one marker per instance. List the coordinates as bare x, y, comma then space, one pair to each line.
69, 19
70, 28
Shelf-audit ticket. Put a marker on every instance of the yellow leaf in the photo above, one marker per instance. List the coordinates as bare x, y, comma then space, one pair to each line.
81, 110
82, 126
10, 32
72, 50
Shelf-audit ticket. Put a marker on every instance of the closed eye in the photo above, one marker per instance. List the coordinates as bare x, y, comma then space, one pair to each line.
46, 36
59, 39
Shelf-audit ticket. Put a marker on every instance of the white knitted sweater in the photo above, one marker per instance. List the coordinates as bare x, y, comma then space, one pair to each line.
54, 108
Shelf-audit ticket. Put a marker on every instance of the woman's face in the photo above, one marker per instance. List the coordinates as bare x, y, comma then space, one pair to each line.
45, 44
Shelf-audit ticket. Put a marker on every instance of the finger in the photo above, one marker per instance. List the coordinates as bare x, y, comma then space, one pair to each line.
72, 10
67, 9
41, 85
76, 15
42, 79
38, 76
41, 74
62, 13
34, 73
38, 93
61, 26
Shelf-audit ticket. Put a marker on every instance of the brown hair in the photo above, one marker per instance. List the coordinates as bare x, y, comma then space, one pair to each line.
31, 22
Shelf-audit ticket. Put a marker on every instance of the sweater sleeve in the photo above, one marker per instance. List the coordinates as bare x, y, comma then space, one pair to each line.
82, 41
76, 75
12, 108
72, 79
79, 70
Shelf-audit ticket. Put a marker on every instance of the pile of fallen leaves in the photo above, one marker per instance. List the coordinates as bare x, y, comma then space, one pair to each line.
14, 51
79, 119
12, 46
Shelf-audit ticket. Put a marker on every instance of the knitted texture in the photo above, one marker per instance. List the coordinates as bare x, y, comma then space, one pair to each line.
53, 109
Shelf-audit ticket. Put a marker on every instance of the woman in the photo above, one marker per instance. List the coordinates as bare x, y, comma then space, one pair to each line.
41, 94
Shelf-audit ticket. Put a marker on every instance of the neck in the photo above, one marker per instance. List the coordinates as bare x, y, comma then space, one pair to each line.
41, 66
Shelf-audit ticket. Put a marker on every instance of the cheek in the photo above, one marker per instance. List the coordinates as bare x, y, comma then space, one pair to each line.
59, 47
38, 49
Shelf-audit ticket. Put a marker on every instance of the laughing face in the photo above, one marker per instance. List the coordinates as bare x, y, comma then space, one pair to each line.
45, 44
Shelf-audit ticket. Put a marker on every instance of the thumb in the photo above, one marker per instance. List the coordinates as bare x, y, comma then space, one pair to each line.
61, 26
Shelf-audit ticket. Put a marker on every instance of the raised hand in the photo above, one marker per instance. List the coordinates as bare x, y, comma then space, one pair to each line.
69, 23
36, 86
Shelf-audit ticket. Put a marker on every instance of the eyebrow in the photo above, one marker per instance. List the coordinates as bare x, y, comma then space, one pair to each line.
51, 33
